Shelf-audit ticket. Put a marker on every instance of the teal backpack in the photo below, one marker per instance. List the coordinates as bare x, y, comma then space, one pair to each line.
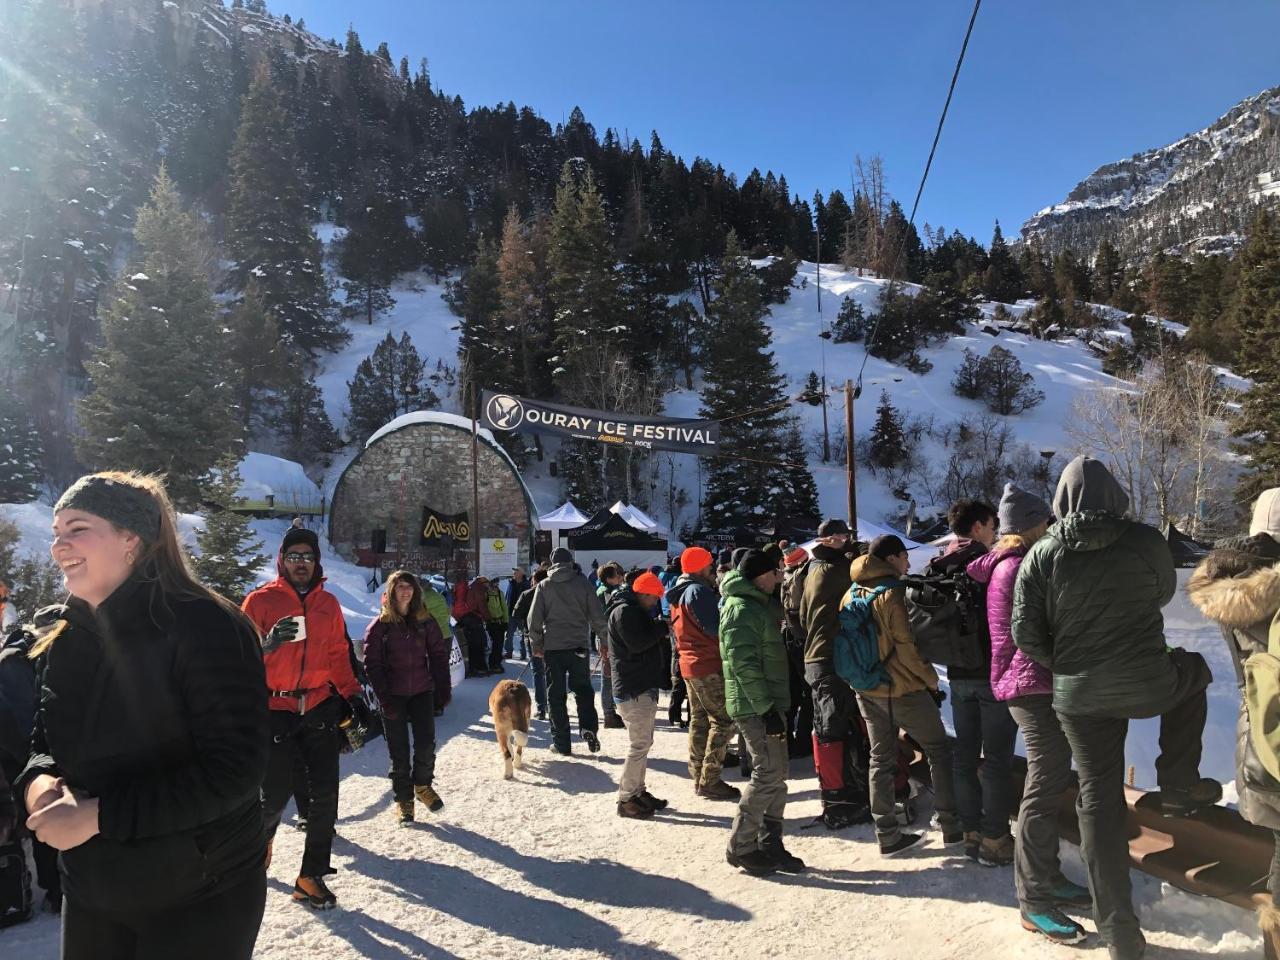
857, 646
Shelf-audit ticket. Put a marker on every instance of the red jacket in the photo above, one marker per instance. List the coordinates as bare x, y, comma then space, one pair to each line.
471, 599
315, 665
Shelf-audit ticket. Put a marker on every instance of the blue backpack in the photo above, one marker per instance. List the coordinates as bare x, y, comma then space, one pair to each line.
857, 646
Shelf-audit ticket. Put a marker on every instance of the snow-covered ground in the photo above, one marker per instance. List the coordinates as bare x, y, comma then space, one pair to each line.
541, 867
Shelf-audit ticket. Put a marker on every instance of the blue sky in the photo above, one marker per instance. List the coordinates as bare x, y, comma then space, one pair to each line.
1050, 90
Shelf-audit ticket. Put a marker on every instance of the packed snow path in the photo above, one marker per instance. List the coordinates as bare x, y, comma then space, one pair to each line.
542, 867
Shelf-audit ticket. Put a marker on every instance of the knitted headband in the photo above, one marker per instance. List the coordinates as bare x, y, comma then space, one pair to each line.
123, 505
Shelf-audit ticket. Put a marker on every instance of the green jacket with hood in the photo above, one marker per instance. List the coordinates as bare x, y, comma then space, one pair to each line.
755, 659
1088, 597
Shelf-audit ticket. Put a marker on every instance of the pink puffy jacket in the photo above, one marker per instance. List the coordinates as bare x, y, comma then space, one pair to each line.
1013, 673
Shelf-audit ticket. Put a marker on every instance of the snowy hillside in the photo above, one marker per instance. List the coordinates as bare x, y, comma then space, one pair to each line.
1196, 193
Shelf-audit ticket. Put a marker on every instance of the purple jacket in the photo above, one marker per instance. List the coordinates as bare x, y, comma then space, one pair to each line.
1013, 673
405, 659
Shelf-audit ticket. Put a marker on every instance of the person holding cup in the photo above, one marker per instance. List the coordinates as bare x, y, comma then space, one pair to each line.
313, 691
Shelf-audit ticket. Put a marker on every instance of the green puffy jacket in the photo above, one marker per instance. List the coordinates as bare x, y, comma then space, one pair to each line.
438, 607
755, 659
1087, 606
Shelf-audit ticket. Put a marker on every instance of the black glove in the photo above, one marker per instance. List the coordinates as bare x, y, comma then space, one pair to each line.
361, 715
938, 695
285, 631
774, 725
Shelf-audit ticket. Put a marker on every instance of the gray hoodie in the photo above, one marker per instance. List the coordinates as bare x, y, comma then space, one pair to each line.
565, 611
1086, 484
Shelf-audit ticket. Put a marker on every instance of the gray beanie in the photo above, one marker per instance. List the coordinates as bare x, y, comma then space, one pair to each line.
1266, 514
122, 504
1020, 510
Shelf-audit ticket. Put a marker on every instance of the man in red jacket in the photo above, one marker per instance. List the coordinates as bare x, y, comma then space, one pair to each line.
312, 691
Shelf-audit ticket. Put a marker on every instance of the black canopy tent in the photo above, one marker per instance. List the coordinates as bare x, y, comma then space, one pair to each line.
612, 534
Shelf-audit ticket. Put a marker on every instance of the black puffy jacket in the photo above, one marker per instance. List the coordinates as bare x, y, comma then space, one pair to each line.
160, 712
637, 655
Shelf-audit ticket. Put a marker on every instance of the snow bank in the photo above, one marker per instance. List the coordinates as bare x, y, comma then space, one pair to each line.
281, 484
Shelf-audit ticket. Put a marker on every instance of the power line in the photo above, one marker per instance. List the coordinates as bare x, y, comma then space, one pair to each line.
915, 206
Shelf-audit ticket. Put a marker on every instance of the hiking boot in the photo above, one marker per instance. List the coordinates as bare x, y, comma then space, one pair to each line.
951, 836
313, 892
1068, 894
772, 847
653, 801
563, 751
996, 853
52, 902
1053, 924
1188, 801
614, 722
428, 798
719, 790
300, 824
591, 740
541, 715
972, 841
403, 811
635, 809
755, 862
841, 808
731, 759
904, 843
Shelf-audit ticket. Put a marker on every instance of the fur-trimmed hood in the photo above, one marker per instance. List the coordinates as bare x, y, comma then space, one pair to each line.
1239, 583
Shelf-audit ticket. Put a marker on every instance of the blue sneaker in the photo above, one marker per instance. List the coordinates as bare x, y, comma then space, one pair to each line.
1068, 894
1053, 924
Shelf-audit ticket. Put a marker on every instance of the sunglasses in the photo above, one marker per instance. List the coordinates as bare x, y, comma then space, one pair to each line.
300, 558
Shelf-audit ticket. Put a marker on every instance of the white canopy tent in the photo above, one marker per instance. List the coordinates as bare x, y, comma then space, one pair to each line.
563, 517
634, 516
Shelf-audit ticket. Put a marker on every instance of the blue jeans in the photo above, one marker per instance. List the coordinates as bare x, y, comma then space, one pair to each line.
539, 684
984, 728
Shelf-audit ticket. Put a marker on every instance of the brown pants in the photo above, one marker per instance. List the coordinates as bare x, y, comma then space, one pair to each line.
710, 728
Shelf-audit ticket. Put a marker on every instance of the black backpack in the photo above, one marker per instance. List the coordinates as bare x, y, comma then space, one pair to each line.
948, 615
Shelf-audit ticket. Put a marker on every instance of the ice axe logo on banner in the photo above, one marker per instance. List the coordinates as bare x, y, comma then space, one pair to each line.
504, 412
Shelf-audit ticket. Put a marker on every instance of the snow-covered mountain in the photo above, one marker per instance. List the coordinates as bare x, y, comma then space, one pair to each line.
1195, 194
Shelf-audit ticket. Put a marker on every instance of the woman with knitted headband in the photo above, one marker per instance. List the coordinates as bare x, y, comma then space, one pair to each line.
150, 741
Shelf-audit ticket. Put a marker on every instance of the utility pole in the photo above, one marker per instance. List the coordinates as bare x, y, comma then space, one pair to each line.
850, 475
822, 333
475, 467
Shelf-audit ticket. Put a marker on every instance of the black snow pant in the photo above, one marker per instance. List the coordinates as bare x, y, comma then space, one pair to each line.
570, 670
417, 713
313, 736
841, 752
800, 713
1097, 744
497, 643
221, 926
300, 800
676, 712
476, 644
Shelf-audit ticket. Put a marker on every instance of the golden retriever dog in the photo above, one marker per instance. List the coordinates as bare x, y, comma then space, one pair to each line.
510, 706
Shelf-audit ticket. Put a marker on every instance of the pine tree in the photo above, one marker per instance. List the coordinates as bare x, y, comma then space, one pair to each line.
851, 323
797, 496
584, 279
374, 252
229, 559
523, 308
268, 225
1255, 312
1108, 271
484, 343
387, 383
1007, 388
306, 433
160, 399
968, 378
888, 440
1002, 280
813, 389
21, 452
255, 354
740, 377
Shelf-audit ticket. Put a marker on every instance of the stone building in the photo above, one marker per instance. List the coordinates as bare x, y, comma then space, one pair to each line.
405, 500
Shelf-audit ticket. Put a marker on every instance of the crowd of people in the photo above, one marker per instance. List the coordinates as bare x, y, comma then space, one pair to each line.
152, 733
